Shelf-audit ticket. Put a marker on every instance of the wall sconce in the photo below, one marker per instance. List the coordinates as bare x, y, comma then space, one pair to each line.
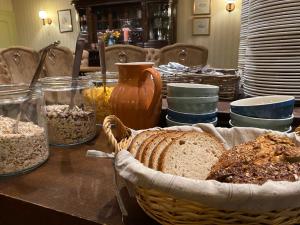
230, 6
44, 16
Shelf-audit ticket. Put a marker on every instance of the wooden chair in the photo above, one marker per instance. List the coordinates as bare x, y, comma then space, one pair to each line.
59, 62
5, 76
123, 54
20, 63
186, 54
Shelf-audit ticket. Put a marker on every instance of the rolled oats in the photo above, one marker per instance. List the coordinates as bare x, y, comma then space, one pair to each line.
22, 150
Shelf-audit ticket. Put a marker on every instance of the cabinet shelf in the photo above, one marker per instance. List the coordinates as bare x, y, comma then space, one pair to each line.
115, 14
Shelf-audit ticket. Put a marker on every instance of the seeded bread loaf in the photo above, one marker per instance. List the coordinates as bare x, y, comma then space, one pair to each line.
269, 157
156, 152
191, 155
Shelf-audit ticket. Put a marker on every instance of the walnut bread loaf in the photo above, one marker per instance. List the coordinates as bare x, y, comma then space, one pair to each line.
268, 157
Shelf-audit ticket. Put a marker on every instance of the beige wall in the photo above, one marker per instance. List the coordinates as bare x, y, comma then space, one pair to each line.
7, 24
223, 41
30, 30
6, 5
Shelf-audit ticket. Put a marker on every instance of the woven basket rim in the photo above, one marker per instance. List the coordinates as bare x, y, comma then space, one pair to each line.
226, 191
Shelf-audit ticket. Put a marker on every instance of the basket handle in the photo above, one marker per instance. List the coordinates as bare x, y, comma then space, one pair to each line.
115, 131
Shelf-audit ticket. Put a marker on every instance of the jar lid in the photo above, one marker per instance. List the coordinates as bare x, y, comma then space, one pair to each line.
17, 93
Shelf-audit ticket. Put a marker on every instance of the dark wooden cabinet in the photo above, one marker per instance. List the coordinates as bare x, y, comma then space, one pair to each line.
152, 23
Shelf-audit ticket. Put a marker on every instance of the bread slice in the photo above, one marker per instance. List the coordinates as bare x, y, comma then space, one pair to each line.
138, 140
155, 154
144, 145
146, 153
191, 155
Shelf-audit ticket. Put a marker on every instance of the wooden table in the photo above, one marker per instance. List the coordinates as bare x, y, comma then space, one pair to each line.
69, 189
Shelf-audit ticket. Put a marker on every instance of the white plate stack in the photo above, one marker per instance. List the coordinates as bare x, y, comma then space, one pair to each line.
272, 63
243, 36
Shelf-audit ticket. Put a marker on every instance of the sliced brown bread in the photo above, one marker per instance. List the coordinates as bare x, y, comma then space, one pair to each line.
191, 155
155, 154
138, 140
145, 156
145, 143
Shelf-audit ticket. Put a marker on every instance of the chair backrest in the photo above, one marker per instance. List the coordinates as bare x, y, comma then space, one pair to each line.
21, 63
123, 54
5, 76
186, 54
59, 62
152, 55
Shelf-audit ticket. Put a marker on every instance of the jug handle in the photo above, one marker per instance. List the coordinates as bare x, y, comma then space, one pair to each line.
157, 84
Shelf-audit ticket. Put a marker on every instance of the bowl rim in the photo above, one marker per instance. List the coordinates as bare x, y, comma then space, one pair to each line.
287, 131
285, 98
193, 114
191, 86
194, 98
262, 119
172, 121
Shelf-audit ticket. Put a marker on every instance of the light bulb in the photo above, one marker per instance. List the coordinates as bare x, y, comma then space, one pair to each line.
43, 14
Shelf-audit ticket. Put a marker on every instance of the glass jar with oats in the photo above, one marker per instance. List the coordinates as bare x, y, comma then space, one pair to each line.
100, 94
71, 119
23, 129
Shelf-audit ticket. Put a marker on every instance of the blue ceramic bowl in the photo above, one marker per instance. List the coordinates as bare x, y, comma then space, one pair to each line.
269, 107
284, 130
272, 124
195, 105
171, 123
191, 118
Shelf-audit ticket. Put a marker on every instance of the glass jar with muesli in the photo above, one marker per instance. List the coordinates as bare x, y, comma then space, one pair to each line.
23, 129
70, 117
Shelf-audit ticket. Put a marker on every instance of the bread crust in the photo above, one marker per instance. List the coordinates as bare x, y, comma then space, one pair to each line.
138, 140
155, 155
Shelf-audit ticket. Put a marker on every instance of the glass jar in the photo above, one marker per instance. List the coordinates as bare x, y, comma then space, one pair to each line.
23, 129
100, 94
70, 117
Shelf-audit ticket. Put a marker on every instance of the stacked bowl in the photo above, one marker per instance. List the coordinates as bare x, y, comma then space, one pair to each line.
273, 112
191, 103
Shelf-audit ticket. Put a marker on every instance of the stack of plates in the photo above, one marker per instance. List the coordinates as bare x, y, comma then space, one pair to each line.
268, 112
191, 103
272, 63
243, 36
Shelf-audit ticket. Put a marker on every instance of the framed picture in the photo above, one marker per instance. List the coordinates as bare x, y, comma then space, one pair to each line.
65, 20
201, 7
201, 26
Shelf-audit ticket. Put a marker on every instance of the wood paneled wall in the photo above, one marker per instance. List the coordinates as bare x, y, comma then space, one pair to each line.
223, 41
31, 31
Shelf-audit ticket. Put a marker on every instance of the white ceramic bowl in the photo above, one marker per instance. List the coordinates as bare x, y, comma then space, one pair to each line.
191, 90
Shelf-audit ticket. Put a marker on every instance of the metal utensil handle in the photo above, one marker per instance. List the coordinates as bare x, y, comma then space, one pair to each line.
101, 46
76, 67
33, 82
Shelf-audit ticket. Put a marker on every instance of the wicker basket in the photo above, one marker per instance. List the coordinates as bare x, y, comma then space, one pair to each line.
166, 209
229, 84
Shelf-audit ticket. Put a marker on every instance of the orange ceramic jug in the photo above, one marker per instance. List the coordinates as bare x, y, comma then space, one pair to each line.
136, 100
